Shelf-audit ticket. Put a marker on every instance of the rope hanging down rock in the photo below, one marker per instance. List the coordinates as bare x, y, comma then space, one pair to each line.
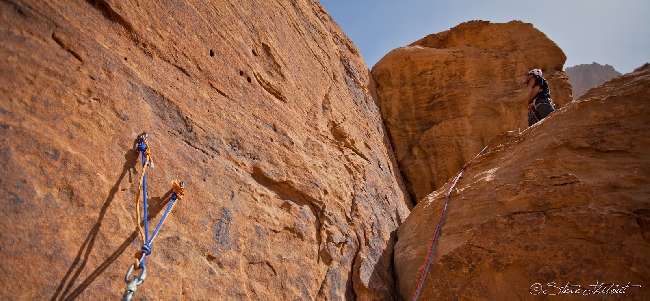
178, 191
143, 147
434, 239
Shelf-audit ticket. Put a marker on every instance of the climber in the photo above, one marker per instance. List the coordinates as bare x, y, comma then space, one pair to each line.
539, 100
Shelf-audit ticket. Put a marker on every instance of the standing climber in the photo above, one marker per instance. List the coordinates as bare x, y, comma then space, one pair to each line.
539, 100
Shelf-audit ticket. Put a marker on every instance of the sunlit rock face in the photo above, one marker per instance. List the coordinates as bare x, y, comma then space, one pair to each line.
564, 202
263, 109
445, 96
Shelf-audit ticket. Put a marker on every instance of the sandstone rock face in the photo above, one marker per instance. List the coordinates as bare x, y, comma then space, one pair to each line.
444, 96
566, 201
586, 76
263, 109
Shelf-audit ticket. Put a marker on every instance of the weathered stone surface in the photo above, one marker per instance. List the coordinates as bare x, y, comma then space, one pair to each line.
262, 108
565, 201
444, 96
586, 76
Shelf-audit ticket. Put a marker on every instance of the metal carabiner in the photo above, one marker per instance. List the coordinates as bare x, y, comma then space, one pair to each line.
132, 283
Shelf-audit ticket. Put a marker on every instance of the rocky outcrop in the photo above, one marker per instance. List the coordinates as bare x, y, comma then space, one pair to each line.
564, 202
586, 76
263, 109
444, 96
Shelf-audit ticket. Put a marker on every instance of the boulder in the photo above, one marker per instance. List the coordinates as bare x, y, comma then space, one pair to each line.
263, 109
445, 96
561, 208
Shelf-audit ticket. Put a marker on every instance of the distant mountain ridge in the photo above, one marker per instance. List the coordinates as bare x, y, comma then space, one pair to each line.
586, 76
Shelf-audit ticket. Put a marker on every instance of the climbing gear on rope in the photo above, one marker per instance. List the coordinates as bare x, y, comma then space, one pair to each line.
178, 191
143, 147
434, 239
132, 284
177, 194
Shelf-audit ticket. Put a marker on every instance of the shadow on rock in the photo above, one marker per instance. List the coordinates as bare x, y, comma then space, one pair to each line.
65, 289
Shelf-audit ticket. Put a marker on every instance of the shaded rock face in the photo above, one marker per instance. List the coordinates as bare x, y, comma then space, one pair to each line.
586, 76
444, 96
566, 201
263, 110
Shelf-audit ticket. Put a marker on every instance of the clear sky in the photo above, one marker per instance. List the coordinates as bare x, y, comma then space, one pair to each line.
614, 32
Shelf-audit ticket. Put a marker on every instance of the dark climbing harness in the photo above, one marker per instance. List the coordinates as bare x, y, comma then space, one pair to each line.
538, 109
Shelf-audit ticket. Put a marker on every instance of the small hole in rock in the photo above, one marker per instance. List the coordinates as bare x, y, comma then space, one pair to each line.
248, 78
254, 53
211, 52
241, 73
126, 59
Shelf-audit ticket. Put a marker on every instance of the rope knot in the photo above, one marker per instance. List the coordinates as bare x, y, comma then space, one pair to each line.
143, 146
142, 142
146, 249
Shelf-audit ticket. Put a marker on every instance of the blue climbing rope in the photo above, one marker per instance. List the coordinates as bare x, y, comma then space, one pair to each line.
177, 194
146, 246
142, 147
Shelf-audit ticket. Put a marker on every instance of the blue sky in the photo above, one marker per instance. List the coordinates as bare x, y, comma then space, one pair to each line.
614, 32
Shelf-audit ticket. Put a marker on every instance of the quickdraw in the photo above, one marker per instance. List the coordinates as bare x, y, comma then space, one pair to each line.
178, 191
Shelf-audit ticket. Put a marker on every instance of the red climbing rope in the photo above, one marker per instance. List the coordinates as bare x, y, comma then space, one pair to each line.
435, 236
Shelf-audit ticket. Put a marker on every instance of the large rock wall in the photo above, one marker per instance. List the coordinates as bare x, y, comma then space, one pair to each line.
586, 76
564, 202
263, 109
444, 96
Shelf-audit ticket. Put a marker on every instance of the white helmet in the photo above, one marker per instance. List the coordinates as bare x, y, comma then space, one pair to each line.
536, 72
